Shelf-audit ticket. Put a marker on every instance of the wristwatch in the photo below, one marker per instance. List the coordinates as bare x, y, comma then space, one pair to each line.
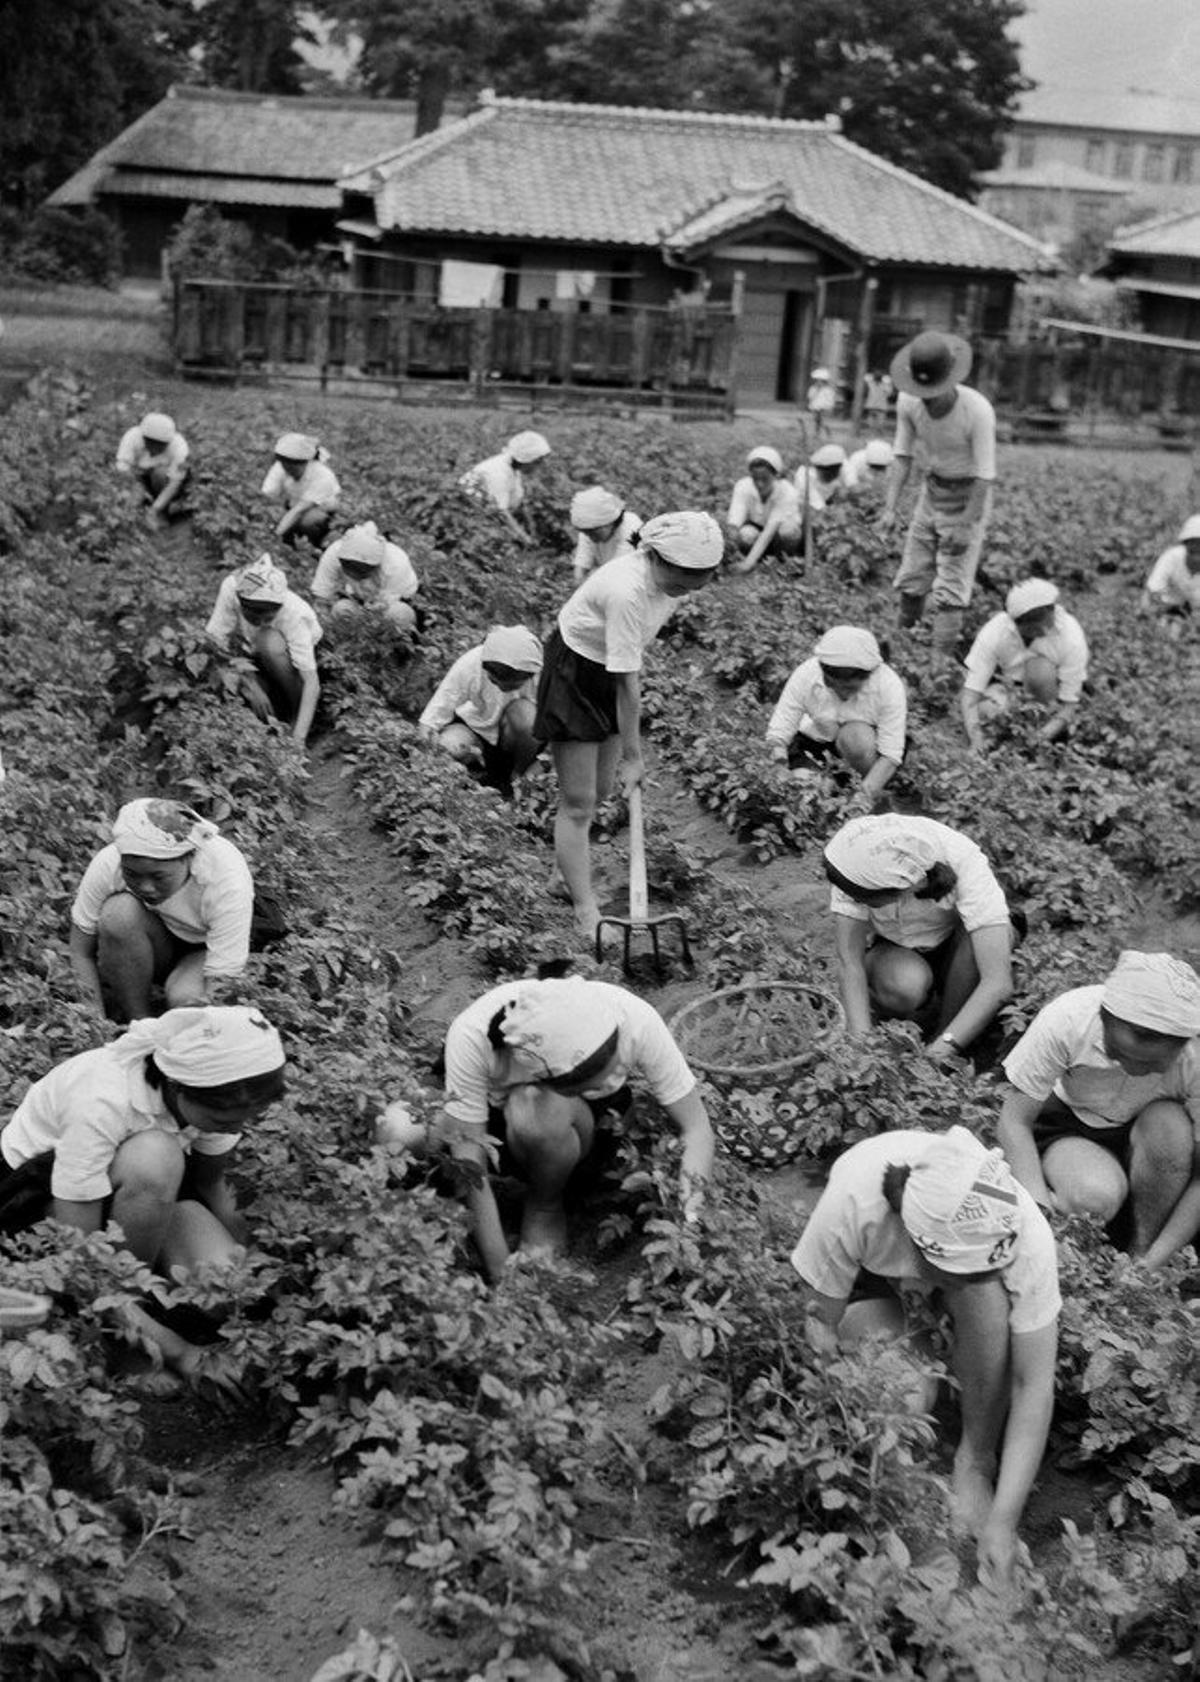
949, 1039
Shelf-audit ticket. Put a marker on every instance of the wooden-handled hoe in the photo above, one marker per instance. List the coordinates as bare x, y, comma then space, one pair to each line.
639, 920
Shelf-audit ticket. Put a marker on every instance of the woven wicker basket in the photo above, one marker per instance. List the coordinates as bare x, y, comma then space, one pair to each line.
766, 1015
755, 1119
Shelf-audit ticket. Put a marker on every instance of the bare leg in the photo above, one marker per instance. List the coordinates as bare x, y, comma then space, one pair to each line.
146, 1173
134, 949
516, 734
548, 1136
273, 660
578, 765
899, 980
1161, 1163
981, 1366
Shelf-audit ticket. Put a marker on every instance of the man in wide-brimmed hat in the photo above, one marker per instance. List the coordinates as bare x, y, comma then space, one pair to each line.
956, 427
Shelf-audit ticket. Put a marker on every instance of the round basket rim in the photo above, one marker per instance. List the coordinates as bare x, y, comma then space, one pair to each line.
742, 1071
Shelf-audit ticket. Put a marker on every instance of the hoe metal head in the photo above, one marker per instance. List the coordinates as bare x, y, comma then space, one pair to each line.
627, 927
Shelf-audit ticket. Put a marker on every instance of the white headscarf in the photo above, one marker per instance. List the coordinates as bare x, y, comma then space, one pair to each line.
849, 646
296, 446
159, 829
688, 538
514, 646
961, 1207
881, 853
204, 1045
559, 1023
1029, 595
1156, 991
525, 447
262, 581
595, 506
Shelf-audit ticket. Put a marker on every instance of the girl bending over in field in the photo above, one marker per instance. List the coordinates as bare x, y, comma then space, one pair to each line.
939, 1213
589, 698
533, 1069
169, 901
922, 928
300, 476
139, 1133
481, 713
843, 702
257, 615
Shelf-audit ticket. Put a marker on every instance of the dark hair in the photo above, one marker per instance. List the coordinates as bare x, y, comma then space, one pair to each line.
895, 1178
939, 881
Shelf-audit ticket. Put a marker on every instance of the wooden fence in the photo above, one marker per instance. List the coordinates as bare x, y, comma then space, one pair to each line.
680, 355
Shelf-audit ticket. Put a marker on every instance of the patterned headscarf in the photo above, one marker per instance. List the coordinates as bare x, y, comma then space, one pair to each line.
559, 1023
1156, 991
205, 1045
159, 829
961, 1206
881, 853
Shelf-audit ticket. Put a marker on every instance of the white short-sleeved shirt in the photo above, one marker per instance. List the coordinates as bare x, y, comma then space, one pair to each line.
212, 909
616, 613
1062, 1052
820, 492
821, 398
394, 579
296, 622
318, 484
998, 649
747, 508
960, 445
496, 480
976, 901
589, 554
478, 1075
852, 1228
468, 693
83, 1110
1170, 579
807, 705
134, 457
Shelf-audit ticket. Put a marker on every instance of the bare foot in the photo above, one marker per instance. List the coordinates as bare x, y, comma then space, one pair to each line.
544, 1231
970, 1497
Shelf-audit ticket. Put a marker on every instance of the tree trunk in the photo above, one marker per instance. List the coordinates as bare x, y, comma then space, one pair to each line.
433, 85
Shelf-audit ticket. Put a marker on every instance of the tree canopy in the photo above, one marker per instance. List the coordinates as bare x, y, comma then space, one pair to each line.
930, 86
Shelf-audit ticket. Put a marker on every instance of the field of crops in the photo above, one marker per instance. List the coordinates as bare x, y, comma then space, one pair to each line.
625, 1466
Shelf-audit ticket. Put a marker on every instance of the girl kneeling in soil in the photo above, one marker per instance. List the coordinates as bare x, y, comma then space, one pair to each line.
922, 929
169, 901
589, 698
310, 488
843, 701
257, 615
764, 511
1034, 647
604, 527
938, 1212
363, 573
481, 713
502, 480
155, 452
1101, 1108
140, 1133
537, 1066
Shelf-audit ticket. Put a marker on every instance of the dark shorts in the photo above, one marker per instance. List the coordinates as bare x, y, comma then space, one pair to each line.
1057, 1120
808, 750
576, 697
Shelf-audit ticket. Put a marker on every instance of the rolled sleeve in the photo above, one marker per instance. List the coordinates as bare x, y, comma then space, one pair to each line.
468, 1071
982, 661
227, 906
101, 879
1039, 1059
823, 1258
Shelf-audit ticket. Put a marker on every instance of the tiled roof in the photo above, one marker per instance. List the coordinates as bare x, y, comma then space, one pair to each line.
1164, 236
607, 175
222, 189
1125, 66
207, 132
